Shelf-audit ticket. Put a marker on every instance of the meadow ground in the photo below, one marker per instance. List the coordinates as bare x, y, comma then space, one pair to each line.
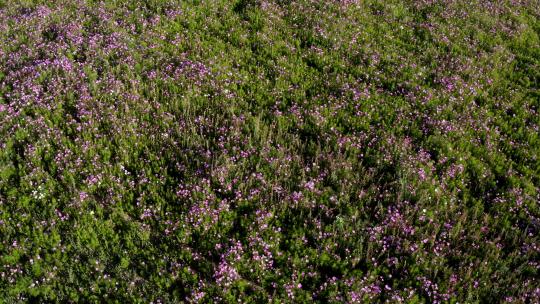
270, 151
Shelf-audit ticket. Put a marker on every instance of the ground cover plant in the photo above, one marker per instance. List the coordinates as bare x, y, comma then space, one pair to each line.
273, 151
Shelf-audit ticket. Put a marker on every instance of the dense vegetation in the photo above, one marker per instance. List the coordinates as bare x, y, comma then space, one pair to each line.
270, 151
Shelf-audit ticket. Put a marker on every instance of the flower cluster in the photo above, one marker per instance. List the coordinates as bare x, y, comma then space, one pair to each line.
267, 151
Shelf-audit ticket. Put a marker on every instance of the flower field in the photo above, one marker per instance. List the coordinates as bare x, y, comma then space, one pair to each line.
270, 151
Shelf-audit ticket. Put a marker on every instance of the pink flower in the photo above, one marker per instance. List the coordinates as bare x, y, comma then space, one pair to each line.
422, 174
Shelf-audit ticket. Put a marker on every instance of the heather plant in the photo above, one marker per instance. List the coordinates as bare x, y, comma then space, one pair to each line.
269, 151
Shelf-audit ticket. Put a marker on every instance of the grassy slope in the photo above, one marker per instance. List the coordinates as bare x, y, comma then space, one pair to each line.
328, 151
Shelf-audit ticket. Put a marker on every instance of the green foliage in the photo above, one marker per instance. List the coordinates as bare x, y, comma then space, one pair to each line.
269, 151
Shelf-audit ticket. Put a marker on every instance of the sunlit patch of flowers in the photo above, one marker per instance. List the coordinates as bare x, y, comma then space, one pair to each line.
269, 151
